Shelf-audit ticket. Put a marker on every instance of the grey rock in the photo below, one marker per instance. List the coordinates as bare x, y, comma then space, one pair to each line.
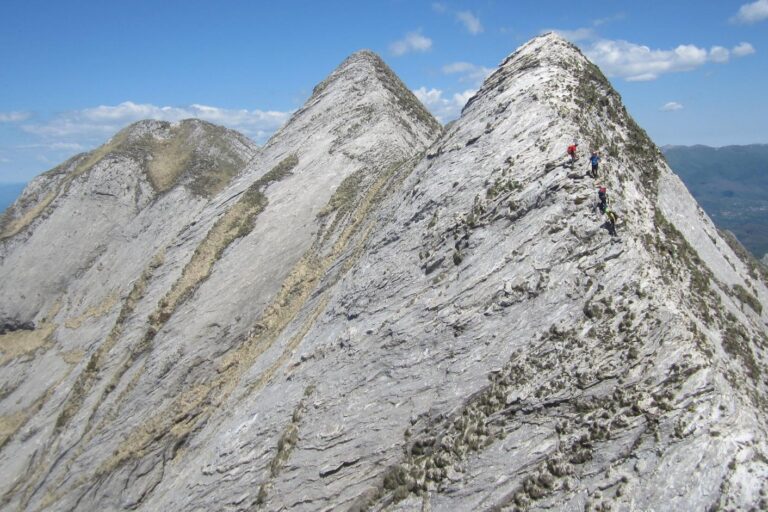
374, 314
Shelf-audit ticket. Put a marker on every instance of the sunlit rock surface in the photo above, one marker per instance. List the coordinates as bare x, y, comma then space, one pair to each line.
369, 313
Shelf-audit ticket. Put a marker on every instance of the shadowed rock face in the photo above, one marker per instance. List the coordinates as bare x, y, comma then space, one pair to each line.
373, 314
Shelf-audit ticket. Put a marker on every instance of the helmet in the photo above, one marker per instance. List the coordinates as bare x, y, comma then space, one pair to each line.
602, 189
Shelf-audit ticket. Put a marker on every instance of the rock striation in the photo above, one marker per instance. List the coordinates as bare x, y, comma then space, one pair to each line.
369, 313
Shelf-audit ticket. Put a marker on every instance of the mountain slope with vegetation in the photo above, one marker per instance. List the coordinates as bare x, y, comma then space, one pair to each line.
376, 313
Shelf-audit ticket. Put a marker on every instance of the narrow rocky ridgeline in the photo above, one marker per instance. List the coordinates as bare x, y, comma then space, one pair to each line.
357, 322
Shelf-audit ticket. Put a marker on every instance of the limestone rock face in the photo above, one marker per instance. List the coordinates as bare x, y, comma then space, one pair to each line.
66, 218
373, 314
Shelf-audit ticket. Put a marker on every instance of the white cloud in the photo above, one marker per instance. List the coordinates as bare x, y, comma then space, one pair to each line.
412, 42
579, 34
14, 117
635, 62
444, 109
719, 54
470, 21
458, 67
671, 106
743, 49
470, 73
439, 7
107, 119
66, 146
461, 99
584, 33
752, 13
55, 146
609, 19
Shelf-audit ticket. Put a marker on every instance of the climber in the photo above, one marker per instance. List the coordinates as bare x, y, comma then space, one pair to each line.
572, 152
603, 197
612, 219
594, 160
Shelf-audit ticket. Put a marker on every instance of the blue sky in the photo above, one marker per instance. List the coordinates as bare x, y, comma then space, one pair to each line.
72, 73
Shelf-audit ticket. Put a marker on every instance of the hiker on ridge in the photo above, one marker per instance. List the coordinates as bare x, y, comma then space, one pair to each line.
612, 219
610, 215
602, 196
572, 151
595, 161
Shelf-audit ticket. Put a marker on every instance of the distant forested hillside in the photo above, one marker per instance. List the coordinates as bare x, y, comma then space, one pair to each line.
731, 184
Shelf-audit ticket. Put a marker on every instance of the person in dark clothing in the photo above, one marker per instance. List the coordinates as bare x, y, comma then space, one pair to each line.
602, 196
595, 161
612, 219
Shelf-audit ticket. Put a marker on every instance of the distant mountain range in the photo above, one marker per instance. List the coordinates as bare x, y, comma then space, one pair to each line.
731, 184
8, 193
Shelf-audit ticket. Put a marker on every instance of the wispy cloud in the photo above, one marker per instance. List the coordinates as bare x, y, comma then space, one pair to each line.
14, 117
609, 19
439, 7
751, 13
719, 54
636, 63
412, 42
574, 36
469, 73
671, 106
743, 49
458, 67
54, 146
107, 119
470, 21
585, 33
444, 109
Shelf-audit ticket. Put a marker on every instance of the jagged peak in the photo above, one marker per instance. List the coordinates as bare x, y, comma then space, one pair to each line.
365, 76
361, 63
554, 61
547, 39
549, 47
362, 56
162, 129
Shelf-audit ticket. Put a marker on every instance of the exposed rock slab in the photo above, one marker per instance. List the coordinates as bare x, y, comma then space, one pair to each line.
375, 315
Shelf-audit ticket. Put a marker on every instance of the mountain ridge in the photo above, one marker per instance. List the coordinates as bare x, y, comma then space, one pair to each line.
403, 317
188, 257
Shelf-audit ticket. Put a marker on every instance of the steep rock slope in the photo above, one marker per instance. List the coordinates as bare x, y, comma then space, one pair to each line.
149, 339
351, 325
66, 217
494, 347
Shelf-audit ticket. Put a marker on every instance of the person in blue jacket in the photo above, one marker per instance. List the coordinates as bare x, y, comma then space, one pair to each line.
595, 161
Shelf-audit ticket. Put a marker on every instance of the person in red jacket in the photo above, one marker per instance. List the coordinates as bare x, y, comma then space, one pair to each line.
572, 151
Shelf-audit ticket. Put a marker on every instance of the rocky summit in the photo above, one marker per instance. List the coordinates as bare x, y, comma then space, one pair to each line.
372, 312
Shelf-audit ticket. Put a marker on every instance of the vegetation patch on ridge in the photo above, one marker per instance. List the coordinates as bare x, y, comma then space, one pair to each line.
236, 223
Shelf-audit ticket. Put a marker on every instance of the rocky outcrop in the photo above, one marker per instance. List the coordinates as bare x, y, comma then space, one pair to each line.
375, 315
159, 325
66, 218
